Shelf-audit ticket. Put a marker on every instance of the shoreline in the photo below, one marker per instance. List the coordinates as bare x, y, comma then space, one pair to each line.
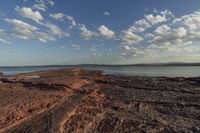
80, 100
184, 72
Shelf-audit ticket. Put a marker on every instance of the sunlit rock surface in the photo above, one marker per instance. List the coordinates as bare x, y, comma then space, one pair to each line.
82, 101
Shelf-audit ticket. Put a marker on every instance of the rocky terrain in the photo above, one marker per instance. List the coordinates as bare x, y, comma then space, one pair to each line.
82, 101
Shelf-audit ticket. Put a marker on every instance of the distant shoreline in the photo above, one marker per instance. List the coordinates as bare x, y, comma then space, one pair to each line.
114, 65
167, 70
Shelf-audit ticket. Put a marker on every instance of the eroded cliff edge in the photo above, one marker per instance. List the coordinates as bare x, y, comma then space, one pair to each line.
78, 101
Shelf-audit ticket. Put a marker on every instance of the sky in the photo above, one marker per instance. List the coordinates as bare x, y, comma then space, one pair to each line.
63, 32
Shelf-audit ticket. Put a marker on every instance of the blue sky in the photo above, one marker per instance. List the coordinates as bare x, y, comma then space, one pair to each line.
50, 32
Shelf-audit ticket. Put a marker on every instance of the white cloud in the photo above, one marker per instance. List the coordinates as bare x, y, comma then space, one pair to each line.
194, 35
134, 34
172, 36
167, 42
161, 17
127, 47
167, 13
180, 32
15, 51
192, 21
43, 4
150, 21
177, 37
155, 19
162, 29
76, 46
29, 13
131, 52
55, 30
87, 34
159, 34
26, 31
57, 16
104, 31
106, 13
4, 41
51, 2
1, 30
93, 50
130, 38
140, 26
18, 24
21, 29
71, 21
44, 37
62, 47
40, 6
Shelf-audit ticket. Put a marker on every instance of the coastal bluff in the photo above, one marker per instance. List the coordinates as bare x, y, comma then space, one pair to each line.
79, 100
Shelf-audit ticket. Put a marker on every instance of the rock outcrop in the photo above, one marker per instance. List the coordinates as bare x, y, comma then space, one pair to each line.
78, 100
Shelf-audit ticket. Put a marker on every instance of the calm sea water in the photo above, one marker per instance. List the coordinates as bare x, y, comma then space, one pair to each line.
168, 71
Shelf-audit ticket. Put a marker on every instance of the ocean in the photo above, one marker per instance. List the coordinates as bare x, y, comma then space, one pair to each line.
156, 71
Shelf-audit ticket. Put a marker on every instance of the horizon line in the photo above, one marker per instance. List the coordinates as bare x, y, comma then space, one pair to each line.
136, 64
